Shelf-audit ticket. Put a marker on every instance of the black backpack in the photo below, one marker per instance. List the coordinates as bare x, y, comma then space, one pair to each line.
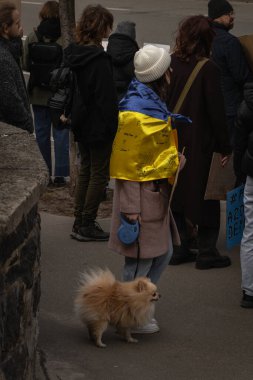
66, 100
44, 57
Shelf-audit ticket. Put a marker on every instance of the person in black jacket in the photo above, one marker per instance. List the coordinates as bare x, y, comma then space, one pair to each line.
14, 103
95, 135
227, 53
122, 48
243, 166
48, 30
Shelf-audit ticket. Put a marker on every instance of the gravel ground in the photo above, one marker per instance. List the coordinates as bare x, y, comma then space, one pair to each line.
58, 201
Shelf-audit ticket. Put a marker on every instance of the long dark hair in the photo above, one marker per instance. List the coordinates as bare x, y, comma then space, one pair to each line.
93, 24
160, 86
194, 38
49, 10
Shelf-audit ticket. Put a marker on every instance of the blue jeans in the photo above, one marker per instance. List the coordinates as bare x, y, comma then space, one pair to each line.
247, 240
151, 268
43, 126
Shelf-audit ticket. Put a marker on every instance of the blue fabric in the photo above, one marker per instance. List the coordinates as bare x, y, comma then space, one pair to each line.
141, 98
43, 123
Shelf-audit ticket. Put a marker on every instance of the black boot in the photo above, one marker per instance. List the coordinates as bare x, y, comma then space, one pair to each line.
212, 259
91, 231
247, 301
209, 256
181, 255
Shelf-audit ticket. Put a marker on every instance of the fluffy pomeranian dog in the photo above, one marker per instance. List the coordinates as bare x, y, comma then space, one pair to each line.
102, 300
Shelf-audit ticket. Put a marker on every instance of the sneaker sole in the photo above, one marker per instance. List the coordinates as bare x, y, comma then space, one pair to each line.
211, 266
145, 331
178, 261
247, 305
78, 237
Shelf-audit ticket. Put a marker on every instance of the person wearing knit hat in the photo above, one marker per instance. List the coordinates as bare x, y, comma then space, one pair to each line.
127, 28
122, 47
227, 53
144, 158
150, 63
218, 8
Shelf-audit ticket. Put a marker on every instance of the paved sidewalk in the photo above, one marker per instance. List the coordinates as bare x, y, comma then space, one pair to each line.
205, 335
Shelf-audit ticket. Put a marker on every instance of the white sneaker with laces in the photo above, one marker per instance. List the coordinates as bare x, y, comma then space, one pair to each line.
150, 328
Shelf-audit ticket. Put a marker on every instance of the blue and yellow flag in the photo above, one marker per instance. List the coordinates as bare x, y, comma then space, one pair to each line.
145, 146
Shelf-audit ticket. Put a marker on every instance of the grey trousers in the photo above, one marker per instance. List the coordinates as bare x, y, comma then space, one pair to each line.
246, 253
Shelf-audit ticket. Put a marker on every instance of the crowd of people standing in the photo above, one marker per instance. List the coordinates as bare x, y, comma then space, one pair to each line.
146, 93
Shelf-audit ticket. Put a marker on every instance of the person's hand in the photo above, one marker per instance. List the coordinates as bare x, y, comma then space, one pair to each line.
224, 159
64, 119
182, 160
133, 217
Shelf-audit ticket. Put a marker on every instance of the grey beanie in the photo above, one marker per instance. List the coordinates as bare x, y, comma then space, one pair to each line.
127, 28
150, 63
218, 8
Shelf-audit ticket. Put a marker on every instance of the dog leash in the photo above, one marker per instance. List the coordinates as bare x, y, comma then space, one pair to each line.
138, 258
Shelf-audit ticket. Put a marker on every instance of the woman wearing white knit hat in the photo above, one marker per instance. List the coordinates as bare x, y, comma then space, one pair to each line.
143, 160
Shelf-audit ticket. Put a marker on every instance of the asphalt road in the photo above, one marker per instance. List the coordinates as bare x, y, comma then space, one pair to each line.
156, 21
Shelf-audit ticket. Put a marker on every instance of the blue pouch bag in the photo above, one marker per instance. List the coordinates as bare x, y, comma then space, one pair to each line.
128, 231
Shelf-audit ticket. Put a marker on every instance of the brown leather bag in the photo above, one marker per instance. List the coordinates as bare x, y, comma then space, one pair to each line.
247, 45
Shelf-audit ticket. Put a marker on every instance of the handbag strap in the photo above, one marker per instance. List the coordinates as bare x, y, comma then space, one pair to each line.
188, 84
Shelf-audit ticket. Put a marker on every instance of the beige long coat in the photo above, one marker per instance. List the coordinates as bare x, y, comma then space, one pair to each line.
151, 202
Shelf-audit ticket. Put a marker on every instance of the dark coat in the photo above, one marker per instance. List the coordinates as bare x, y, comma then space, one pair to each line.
93, 69
227, 53
14, 104
243, 152
122, 49
204, 104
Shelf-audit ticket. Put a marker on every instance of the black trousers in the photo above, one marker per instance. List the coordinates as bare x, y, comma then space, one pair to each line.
92, 179
208, 233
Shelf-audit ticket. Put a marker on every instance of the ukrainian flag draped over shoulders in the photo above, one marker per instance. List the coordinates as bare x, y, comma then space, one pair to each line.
145, 147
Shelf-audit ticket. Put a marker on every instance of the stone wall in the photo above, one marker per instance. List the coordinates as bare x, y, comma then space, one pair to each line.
23, 176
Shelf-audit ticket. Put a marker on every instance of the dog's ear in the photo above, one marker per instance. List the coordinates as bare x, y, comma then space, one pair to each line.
142, 285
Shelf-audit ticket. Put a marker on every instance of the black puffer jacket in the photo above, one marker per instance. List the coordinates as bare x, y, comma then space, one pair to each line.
227, 53
93, 69
122, 49
243, 153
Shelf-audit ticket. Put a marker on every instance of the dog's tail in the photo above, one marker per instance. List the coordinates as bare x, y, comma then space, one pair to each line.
97, 277
94, 286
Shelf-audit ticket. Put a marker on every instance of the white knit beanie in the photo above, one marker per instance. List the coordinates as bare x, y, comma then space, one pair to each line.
150, 63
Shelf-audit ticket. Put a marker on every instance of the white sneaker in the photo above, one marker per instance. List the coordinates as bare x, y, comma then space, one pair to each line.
149, 328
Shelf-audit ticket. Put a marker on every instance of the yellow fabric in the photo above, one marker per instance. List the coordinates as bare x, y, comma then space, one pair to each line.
144, 149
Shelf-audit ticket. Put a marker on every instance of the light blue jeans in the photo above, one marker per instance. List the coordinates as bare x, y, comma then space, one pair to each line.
42, 122
247, 240
151, 268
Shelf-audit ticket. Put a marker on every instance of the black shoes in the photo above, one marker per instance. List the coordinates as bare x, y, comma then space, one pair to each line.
59, 181
247, 301
182, 254
181, 258
211, 260
91, 231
